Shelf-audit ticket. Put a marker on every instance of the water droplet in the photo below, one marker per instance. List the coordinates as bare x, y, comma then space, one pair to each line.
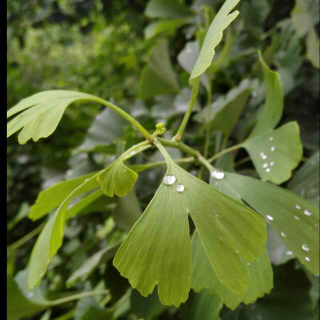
283, 234
296, 217
217, 174
271, 139
289, 253
264, 157
307, 259
307, 213
268, 170
265, 165
248, 264
305, 248
169, 179
261, 154
180, 188
30, 294
298, 207
272, 148
270, 218
271, 163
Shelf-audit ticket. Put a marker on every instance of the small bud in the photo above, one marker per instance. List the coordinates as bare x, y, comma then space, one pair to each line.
159, 126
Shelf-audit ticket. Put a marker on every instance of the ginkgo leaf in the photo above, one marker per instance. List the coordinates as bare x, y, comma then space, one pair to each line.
41, 114
158, 76
213, 37
157, 249
117, 179
50, 238
49, 199
163, 27
274, 157
203, 276
294, 219
273, 107
306, 180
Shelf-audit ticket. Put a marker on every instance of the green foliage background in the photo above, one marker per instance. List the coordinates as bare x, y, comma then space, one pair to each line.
103, 48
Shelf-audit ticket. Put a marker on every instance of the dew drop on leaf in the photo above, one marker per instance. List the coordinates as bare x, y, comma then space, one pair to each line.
283, 234
217, 174
272, 148
307, 259
271, 139
289, 253
296, 217
298, 207
169, 179
307, 213
305, 248
270, 218
265, 165
268, 170
271, 163
264, 157
180, 188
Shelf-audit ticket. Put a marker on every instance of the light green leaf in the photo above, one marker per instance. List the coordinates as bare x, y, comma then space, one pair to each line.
313, 48
51, 198
213, 37
97, 313
157, 249
20, 301
273, 107
205, 306
293, 218
50, 239
158, 76
24, 210
276, 152
306, 181
167, 9
117, 179
127, 211
203, 276
163, 27
41, 114
91, 264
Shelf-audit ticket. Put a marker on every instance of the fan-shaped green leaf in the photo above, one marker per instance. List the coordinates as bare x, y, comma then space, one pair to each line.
213, 37
41, 114
50, 239
158, 76
227, 229
117, 179
51, 198
293, 218
306, 180
203, 276
276, 153
273, 107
